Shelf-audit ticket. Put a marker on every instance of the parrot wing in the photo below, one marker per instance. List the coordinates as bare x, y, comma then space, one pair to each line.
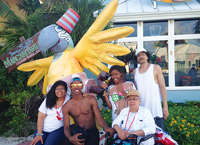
40, 68
91, 50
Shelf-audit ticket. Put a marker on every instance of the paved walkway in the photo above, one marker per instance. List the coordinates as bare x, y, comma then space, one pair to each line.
16, 140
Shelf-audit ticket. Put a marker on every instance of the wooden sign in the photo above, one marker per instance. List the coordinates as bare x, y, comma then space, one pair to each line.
173, 1
22, 53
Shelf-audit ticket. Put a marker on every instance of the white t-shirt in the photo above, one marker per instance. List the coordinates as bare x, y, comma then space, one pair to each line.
143, 120
51, 122
112, 99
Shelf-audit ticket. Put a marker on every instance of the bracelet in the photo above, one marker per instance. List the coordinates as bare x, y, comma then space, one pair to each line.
165, 108
39, 134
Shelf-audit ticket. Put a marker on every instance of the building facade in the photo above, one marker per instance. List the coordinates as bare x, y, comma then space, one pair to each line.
171, 33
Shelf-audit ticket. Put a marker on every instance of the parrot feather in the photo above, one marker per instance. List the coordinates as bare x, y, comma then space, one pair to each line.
94, 69
113, 49
37, 76
112, 34
100, 65
33, 65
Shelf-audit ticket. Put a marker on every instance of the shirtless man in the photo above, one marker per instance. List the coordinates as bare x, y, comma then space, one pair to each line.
150, 83
83, 109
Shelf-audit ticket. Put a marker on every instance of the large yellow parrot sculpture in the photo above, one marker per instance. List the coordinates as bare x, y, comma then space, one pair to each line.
90, 52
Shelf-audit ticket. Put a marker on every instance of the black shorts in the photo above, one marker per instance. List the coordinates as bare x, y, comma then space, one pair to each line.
91, 135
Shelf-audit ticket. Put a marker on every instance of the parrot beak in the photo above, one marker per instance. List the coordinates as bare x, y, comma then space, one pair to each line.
47, 39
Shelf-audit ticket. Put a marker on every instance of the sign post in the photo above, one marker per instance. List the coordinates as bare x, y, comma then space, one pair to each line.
25, 51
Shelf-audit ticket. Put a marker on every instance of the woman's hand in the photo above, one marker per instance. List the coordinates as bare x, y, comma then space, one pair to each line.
37, 139
122, 134
104, 85
107, 100
104, 94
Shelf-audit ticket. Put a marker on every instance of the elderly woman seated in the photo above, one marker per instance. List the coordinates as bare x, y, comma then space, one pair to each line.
134, 119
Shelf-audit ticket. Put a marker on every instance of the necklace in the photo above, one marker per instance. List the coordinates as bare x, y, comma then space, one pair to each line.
58, 113
132, 120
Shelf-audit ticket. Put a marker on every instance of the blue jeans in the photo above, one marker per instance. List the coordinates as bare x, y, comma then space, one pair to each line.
159, 122
56, 137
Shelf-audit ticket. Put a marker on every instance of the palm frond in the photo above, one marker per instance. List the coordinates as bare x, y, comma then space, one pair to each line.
28, 6
15, 27
5, 10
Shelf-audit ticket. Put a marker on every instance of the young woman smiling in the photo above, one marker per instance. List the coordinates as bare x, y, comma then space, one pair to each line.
50, 129
117, 91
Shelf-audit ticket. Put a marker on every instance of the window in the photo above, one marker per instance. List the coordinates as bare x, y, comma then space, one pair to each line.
159, 55
134, 25
187, 58
186, 27
128, 59
155, 28
176, 50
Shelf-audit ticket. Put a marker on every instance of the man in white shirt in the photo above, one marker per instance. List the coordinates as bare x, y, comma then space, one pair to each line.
134, 119
150, 83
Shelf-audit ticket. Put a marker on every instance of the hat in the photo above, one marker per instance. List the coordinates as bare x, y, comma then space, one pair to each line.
75, 79
139, 50
68, 20
194, 65
133, 92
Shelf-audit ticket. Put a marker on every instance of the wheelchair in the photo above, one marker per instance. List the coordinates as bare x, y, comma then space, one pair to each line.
131, 140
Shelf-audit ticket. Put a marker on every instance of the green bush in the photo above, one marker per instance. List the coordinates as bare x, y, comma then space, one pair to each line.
107, 115
21, 122
20, 109
183, 122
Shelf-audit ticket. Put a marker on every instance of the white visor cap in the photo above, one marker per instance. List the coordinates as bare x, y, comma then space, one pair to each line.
139, 50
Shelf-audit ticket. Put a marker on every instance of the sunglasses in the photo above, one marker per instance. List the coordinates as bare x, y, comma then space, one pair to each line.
74, 85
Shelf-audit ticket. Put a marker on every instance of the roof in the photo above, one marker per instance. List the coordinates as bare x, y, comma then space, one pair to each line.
140, 10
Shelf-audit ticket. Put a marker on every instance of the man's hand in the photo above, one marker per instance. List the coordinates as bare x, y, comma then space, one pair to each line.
127, 134
111, 130
123, 134
165, 113
75, 141
37, 139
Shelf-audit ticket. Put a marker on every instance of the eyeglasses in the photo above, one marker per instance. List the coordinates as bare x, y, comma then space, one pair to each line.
74, 85
134, 99
62, 89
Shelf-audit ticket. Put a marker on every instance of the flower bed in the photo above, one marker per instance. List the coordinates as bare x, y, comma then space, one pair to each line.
183, 122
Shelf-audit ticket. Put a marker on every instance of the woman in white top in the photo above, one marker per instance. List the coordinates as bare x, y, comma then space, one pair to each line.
50, 129
134, 119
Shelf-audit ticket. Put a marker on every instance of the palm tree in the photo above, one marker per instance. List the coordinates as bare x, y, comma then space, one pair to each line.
54, 9
16, 27
11, 24
28, 6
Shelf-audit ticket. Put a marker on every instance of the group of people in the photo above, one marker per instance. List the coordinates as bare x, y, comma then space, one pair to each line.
53, 125
136, 107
